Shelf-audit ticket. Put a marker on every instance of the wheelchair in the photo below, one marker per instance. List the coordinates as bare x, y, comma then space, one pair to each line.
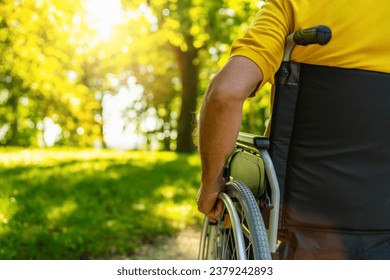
273, 210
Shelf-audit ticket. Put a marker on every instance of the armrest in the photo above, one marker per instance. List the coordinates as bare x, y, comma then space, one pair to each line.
252, 140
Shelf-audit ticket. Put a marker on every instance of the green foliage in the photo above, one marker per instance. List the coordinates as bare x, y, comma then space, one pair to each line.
77, 204
37, 57
55, 66
256, 111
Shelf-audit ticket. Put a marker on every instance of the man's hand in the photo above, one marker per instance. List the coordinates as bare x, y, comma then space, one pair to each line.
209, 204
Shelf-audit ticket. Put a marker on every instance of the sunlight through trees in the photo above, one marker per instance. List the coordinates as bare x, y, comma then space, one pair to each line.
104, 73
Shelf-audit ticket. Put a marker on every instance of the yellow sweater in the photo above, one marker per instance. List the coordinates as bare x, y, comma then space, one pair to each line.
360, 29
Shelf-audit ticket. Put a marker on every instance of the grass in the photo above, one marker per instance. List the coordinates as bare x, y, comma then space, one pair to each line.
91, 204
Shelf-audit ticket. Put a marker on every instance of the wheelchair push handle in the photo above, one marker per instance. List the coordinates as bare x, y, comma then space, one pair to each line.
320, 34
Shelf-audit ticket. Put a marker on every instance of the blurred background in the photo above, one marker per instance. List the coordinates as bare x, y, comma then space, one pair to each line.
98, 111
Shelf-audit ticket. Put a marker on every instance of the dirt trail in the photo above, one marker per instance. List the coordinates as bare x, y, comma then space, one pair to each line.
182, 247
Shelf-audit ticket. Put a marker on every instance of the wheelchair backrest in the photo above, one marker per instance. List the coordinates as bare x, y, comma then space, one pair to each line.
330, 136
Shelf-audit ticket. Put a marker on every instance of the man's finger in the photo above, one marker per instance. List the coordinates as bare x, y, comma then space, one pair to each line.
216, 211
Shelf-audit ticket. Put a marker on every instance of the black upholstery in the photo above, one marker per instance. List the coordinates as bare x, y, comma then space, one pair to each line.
330, 144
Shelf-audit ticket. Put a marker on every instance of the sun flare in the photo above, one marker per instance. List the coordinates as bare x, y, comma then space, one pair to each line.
103, 15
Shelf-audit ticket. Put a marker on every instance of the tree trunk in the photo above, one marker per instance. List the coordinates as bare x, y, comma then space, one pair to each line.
187, 120
13, 103
100, 122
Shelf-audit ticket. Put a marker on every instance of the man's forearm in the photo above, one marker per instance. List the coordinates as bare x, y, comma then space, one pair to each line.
218, 130
220, 121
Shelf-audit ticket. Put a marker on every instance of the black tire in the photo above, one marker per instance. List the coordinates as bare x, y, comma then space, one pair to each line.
218, 241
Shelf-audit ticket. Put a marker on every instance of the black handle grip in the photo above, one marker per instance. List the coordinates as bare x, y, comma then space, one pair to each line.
320, 34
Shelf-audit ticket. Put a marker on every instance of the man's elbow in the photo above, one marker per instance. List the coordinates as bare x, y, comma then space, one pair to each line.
225, 93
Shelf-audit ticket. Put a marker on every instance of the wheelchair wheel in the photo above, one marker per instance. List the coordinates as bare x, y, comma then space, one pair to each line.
239, 232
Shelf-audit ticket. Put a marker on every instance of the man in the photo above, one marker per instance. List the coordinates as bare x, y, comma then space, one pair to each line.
361, 40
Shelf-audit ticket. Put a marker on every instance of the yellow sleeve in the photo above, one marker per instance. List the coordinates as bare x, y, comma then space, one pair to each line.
263, 42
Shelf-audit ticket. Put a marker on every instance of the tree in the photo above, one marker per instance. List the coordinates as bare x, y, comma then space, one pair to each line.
197, 32
37, 58
54, 70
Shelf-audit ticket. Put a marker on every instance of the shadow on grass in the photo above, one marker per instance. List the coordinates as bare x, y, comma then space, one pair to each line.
95, 207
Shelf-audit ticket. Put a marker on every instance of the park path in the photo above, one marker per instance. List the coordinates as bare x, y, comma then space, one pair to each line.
184, 246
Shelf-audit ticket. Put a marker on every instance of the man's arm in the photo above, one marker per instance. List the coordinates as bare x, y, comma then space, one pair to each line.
220, 122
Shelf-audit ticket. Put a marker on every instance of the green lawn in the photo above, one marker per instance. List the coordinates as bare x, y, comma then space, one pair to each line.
81, 204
